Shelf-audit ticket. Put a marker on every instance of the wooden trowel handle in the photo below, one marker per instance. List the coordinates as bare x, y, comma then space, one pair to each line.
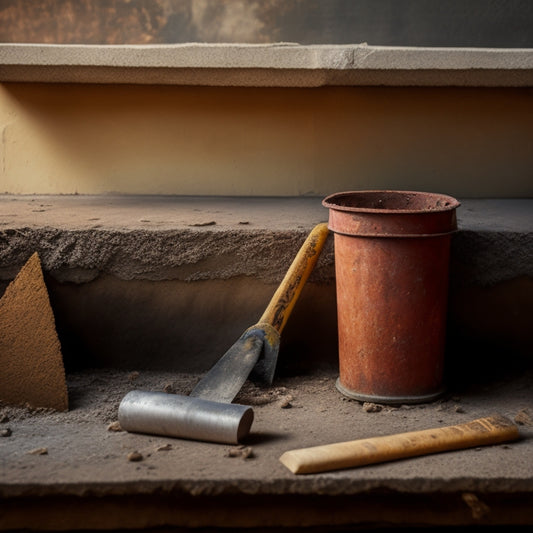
489, 430
286, 295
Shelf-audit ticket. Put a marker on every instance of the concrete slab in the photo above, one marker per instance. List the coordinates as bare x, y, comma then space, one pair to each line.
150, 285
171, 282
172, 237
267, 65
74, 470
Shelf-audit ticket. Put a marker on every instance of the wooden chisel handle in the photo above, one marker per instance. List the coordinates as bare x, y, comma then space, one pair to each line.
489, 430
287, 293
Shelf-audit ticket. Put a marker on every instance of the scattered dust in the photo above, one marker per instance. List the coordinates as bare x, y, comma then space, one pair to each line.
251, 394
95, 395
16, 413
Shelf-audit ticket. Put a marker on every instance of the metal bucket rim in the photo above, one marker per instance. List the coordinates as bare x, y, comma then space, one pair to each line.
451, 202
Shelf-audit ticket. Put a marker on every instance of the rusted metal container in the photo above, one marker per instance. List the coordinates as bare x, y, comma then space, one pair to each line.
392, 266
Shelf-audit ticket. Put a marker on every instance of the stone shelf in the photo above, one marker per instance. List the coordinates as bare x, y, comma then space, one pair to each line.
274, 65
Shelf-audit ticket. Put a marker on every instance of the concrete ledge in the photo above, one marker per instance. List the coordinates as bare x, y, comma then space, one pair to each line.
164, 285
276, 65
85, 480
165, 282
200, 238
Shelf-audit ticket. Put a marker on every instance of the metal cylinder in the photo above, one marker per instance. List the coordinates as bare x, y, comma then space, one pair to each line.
184, 417
391, 264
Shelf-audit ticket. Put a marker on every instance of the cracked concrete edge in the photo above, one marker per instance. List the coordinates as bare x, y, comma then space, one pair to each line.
276, 64
81, 256
144, 238
478, 258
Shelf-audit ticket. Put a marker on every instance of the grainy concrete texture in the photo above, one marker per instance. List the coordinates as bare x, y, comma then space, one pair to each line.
30, 351
148, 292
170, 282
75, 471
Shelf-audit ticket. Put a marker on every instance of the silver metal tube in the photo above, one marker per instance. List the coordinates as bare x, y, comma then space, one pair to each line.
184, 417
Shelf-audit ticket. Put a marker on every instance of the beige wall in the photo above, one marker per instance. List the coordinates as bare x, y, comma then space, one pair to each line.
94, 139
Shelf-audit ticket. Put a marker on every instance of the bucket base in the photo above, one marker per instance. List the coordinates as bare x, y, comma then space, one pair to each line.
391, 400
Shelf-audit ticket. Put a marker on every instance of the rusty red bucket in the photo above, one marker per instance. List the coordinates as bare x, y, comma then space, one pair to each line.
392, 253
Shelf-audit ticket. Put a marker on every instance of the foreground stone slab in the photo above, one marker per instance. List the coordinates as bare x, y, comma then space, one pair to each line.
77, 471
31, 362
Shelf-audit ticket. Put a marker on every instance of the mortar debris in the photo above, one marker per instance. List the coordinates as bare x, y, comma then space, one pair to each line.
169, 388
285, 403
245, 452
38, 451
370, 407
164, 448
479, 509
6, 432
114, 426
201, 224
523, 417
251, 394
135, 457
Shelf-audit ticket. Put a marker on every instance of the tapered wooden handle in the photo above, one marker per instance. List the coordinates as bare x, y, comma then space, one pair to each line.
489, 430
287, 293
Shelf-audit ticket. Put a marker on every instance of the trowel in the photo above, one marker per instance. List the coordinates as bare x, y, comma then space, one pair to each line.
207, 414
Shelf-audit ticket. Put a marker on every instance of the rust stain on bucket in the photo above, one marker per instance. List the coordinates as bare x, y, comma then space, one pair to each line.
392, 266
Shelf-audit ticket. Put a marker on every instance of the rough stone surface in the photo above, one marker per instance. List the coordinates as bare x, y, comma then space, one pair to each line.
200, 238
172, 282
30, 352
87, 458
141, 276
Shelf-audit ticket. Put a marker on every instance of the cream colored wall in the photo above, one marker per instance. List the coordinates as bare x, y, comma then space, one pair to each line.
94, 139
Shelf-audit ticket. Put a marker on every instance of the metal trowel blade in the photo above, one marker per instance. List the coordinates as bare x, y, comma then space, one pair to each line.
255, 353
226, 378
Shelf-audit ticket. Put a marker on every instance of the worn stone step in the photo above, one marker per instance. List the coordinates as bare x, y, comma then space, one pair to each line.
170, 282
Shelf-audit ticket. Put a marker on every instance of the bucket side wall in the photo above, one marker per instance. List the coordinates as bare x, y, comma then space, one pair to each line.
392, 301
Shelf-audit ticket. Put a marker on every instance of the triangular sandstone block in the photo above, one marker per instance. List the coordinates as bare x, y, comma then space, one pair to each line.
31, 363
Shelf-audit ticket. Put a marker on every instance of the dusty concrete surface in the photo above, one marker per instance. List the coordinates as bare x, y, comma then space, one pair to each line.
197, 238
157, 237
31, 361
171, 282
155, 286
57, 467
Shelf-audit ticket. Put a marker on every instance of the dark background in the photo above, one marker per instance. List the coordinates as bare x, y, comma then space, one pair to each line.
458, 23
